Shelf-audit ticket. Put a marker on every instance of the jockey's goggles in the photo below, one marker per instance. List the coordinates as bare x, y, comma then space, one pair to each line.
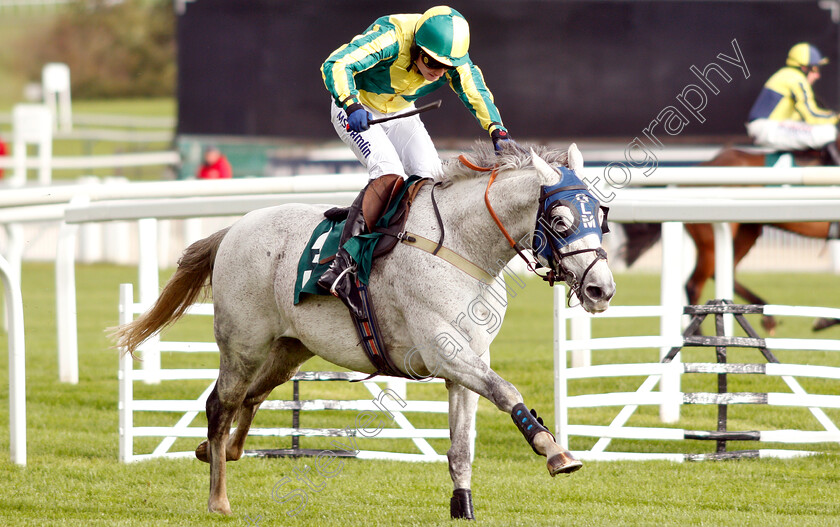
432, 64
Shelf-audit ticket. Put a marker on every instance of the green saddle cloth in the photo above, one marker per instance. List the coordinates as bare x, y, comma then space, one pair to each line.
770, 160
324, 243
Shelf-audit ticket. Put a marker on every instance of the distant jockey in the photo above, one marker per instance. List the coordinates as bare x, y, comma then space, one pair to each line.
786, 116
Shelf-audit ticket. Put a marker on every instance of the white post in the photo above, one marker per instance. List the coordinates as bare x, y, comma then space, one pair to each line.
561, 410
17, 363
724, 269
399, 387
32, 123
834, 253
45, 161
116, 234
65, 299
149, 282
670, 322
19, 153
14, 258
164, 242
581, 328
126, 380
192, 230
116, 247
55, 82
90, 234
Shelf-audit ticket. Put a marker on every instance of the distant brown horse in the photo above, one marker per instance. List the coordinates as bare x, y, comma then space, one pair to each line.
745, 235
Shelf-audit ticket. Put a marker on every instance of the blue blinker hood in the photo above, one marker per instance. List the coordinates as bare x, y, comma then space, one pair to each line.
551, 234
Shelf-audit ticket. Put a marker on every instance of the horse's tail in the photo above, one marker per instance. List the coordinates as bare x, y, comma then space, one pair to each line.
194, 273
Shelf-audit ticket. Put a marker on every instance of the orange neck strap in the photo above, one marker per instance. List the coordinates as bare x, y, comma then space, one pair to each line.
493, 173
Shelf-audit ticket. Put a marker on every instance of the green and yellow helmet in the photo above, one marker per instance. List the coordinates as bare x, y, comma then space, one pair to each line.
444, 35
804, 55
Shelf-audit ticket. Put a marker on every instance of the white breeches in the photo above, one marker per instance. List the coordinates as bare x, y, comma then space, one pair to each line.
401, 146
791, 135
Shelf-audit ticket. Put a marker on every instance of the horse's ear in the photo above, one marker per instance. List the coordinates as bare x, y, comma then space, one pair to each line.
548, 176
575, 158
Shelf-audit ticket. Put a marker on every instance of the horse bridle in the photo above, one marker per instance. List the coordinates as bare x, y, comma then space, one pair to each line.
556, 265
551, 234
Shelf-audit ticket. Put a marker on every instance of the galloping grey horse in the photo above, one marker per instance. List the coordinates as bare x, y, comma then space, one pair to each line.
264, 338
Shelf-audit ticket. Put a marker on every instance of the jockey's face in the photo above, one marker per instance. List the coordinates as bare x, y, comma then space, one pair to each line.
813, 74
428, 71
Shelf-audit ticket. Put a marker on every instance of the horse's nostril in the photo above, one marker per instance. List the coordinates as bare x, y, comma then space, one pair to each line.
594, 292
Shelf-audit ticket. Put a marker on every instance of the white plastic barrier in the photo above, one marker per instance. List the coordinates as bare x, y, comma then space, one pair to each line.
655, 373
17, 363
316, 189
32, 124
190, 409
138, 159
55, 82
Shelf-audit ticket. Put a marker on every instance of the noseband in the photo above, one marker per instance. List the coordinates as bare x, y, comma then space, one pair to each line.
551, 197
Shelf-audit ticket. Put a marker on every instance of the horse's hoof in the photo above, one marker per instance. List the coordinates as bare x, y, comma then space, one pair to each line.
201, 452
824, 323
461, 505
563, 464
223, 507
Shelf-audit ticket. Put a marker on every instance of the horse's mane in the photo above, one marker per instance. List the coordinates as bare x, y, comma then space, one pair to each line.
512, 157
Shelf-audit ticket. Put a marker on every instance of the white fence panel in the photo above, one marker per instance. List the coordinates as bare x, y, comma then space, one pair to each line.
129, 406
567, 399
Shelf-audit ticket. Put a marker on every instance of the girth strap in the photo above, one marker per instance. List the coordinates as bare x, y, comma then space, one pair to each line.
368, 328
371, 340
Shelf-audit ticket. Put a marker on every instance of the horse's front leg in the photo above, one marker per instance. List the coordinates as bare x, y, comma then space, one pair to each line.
560, 460
462, 406
459, 364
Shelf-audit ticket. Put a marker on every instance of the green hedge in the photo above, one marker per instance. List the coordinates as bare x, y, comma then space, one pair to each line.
119, 50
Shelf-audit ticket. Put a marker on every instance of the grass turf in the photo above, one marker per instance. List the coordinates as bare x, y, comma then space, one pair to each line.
73, 477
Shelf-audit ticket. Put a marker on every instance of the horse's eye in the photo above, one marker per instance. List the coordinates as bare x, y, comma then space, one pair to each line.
561, 219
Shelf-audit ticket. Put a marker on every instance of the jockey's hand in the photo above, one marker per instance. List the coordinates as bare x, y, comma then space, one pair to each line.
500, 137
357, 118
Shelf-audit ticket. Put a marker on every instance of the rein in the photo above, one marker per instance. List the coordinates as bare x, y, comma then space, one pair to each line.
515, 245
550, 277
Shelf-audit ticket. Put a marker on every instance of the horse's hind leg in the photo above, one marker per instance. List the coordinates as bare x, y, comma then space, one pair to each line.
221, 408
744, 240
238, 367
704, 268
283, 362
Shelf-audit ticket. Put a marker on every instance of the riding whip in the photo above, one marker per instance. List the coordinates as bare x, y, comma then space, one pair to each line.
421, 109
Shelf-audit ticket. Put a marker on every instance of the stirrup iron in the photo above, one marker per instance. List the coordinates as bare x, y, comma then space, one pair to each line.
349, 269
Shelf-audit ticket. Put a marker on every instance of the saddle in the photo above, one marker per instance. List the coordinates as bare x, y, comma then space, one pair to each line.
396, 223
799, 158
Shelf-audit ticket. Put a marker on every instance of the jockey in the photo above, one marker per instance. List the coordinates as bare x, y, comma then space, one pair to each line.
381, 72
786, 116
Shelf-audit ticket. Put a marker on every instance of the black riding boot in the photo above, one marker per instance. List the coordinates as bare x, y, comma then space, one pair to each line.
338, 279
365, 211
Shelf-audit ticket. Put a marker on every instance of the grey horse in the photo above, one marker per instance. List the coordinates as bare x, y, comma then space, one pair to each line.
264, 338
